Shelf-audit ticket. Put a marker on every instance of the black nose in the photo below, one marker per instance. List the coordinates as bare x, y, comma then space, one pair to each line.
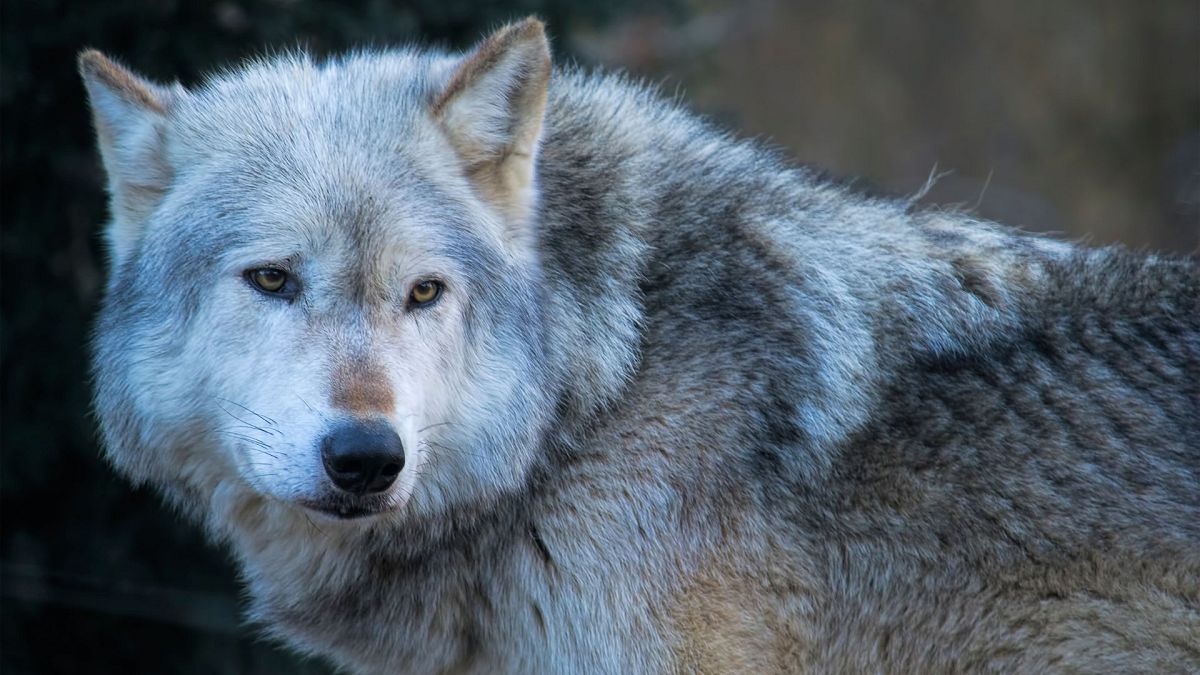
363, 457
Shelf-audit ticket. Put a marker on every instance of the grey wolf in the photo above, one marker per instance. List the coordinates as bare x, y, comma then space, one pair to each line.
480, 365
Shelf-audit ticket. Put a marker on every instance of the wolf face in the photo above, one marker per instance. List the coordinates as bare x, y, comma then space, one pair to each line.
320, 303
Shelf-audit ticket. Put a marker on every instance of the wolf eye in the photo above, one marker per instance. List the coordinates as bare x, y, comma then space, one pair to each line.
268, 279
424, 293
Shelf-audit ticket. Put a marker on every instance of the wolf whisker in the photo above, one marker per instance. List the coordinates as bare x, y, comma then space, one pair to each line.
260, 416
439, 446
244, 437
275, 432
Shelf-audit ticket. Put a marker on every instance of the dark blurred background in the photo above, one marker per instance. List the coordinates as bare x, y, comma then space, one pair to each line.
1078, 117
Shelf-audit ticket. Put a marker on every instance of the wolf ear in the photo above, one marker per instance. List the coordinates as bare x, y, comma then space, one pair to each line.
129, 113
492, 110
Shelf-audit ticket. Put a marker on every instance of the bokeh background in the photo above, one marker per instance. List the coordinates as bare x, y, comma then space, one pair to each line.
1078, 117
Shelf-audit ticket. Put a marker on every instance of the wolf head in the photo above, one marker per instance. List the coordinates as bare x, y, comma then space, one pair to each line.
324, 291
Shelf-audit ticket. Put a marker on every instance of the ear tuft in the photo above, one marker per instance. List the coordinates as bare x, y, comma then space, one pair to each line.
102, 74
526, 41
492, 110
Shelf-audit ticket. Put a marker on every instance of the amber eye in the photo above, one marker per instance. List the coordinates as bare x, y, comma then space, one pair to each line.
425, 292
268, 279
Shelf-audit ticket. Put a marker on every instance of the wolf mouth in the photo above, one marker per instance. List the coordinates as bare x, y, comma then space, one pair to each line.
341, 510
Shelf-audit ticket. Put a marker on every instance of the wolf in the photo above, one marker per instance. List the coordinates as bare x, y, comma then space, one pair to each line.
480, 364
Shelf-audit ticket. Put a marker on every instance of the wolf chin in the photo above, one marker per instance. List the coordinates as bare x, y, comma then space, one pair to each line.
479, 365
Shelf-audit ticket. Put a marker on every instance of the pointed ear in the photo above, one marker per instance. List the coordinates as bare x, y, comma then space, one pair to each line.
492, 110
129, 114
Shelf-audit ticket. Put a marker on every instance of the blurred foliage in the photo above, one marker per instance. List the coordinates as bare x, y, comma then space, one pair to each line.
1076, 117
95, 576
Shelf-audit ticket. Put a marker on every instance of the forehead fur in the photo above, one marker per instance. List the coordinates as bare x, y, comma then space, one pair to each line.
300, 150
346, 131
367, 99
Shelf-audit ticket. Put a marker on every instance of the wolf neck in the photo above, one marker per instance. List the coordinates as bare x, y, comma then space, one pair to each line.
652, 222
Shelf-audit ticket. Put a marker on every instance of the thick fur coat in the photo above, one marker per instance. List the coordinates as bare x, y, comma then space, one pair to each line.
680, 406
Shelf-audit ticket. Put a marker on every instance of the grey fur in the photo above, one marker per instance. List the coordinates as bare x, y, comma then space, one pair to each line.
727, 416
